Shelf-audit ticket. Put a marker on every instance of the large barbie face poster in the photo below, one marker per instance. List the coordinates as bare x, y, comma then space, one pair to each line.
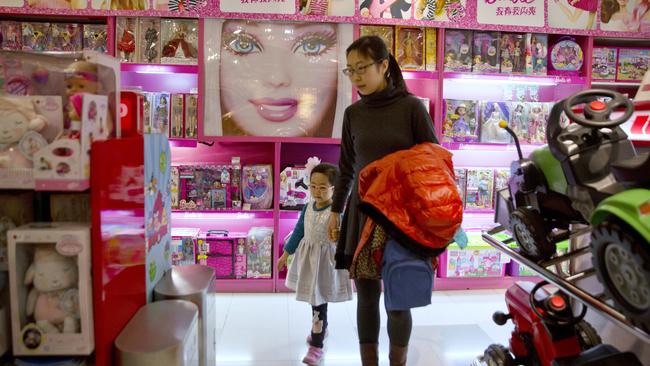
275, 79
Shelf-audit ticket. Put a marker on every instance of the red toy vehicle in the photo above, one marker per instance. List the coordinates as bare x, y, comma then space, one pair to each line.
547, 333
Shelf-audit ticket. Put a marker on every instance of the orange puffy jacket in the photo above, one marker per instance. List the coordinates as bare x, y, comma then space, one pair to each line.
413, 196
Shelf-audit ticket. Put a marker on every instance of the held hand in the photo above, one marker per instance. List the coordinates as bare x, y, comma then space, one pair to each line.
282, 262
333, 227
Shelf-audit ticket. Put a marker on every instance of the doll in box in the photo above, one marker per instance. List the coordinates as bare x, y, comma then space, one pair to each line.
150, 33
80, 77
480, 183
518, 120
177, 115
19, 127
409, 48
460, 121
257, 186
180, 41
491, 114
458, 51
53, 300
11, 35
191, 115
486, 52
161, 114
95, 37
537, 120
126, 42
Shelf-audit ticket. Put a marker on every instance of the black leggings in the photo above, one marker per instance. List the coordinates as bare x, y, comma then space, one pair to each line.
318, 324
399, 322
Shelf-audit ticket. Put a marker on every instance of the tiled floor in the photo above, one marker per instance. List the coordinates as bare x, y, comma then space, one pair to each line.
270, 330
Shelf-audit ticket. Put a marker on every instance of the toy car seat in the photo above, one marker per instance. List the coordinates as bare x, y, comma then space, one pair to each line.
633, 172
600, 355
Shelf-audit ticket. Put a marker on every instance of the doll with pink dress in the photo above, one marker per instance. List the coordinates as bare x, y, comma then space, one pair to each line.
257, 186
126, 41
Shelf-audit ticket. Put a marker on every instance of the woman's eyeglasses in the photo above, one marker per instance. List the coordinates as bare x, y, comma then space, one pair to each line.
358, 70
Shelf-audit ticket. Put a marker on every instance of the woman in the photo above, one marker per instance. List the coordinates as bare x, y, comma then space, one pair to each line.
386, 119
278, 79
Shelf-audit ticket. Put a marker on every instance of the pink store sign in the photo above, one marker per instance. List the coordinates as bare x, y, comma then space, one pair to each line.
258, 6
511, 12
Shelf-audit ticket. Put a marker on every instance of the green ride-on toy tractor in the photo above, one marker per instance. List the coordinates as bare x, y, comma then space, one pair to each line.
589, 173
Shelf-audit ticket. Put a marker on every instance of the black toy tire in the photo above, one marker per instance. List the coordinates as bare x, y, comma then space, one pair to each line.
612, 241
588, 337
498, 355
531, 233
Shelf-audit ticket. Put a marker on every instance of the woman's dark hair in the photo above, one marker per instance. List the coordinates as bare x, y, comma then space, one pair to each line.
609, 8
329, 170
374, 48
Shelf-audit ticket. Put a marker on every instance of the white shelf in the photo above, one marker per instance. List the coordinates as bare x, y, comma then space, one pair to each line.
614, 83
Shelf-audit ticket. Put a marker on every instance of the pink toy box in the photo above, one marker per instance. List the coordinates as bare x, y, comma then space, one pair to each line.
257, 186
259, 246
183, 245
220, 250
566, 57
51, 290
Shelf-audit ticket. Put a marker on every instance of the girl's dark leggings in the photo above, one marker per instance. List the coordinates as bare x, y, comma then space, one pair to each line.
319, 324
368, 321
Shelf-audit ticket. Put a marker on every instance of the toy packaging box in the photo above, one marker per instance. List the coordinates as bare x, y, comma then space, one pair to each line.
149, 41
184, 242
177, 116
387, 33
11, 32
478, 259
204, 187
180, 39
458, 50
603, 65
480, 189
66, 37
633, 63
147, 113
294, 188
219, 248
174, 177
461, 124
501, 177
127, 39
160, 112
39, 121
51, 289
259, 246
538, 114
235, 180
460, 177
513, 53
536, 53
191, 115
519, 120
34, 36
566, 57
74, 167
95, 37
491, 113
409, 48
430, 48
257, 186
486, 52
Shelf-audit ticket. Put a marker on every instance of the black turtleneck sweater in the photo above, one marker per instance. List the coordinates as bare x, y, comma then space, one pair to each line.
373, 127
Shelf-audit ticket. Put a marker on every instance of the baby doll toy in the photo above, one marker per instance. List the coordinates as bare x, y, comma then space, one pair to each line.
80, 77
53, 301
19, 137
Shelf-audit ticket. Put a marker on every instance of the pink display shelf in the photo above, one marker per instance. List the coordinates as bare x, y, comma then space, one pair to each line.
443, 284
157, 78
272, 139
517, 79
229, 213
222, 152
55, 185
243, 285
183, 142
432, 75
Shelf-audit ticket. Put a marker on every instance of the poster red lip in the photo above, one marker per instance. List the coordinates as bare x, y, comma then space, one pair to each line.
276, 110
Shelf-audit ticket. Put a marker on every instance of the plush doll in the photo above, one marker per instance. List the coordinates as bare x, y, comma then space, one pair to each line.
54, 298
19, 127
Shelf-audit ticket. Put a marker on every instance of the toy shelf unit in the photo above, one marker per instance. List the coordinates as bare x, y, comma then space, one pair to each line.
566, 282
619, 64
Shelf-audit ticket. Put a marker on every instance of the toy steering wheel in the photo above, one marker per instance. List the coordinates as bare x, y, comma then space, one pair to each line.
596, 113
555, 302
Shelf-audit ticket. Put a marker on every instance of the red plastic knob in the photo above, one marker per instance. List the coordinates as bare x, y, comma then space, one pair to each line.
597, 105
557, 302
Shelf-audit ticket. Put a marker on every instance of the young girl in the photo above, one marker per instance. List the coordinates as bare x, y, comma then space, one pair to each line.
312, 274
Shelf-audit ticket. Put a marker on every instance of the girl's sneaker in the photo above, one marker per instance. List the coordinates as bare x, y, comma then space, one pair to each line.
314, 356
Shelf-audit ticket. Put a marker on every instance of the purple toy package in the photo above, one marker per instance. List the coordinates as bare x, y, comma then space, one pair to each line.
11, 35
491, 113
486, 52
67, 37
259, 246
240, 258
458, 50
460, 121
34, 36
460, 177
257, 186
536, 53
513, 53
